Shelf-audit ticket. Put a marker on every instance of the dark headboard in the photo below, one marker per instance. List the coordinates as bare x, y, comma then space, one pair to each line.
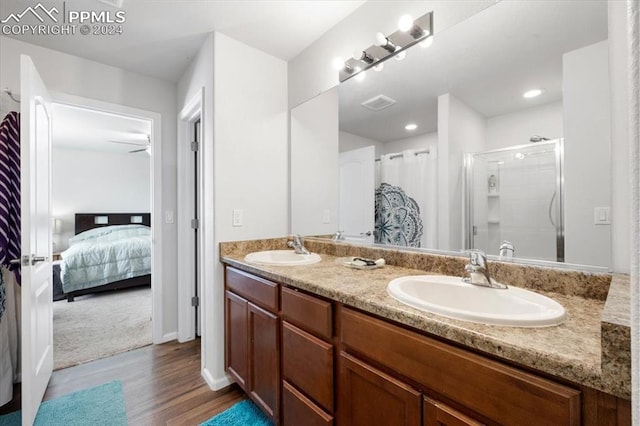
86, 221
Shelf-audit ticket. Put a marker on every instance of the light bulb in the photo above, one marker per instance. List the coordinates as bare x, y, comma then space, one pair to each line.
378, 67
338, 63
532, 93
426, 42
411, 126
405, 23
400, 55
381, 39
360, 74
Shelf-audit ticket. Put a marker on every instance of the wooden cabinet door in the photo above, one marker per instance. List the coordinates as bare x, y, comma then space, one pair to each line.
299, 410
264, 360
236, 335
369, 397
439, 414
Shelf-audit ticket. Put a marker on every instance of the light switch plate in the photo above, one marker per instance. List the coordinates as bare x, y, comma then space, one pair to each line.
602, 216
168, 216
237, 217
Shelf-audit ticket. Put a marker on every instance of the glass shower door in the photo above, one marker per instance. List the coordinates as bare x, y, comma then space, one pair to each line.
515, 194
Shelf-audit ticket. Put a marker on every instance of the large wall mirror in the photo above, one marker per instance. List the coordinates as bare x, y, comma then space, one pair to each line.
457, 156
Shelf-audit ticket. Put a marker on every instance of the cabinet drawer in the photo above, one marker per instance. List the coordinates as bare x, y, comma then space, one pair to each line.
307, 362
299, 410
255, 289
439, 414
307, 312
493, 390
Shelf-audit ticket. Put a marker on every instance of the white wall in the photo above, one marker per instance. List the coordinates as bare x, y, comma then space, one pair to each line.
517, 127
97, 182
349, 142
460, 130
314, 153
72, 75
311, 72
245, 150
587, 132
620, 152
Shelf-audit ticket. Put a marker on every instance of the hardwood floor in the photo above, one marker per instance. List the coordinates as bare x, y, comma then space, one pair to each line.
162, 384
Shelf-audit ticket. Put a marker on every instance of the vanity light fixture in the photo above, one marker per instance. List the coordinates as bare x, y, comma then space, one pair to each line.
406, 24
384, 42
426, 42
400, 55
395, 44
411, 126
532, 93
364, 57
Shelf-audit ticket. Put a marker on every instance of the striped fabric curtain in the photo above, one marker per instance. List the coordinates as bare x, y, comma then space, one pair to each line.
9, 196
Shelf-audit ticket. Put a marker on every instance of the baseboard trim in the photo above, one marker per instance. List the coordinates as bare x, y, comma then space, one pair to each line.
216, 384
168, 337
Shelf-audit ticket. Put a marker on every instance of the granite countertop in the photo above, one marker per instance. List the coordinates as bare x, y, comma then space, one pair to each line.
592, 347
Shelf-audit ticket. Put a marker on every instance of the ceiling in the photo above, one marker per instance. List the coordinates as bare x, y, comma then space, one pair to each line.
91, 130
486, 61
160, 37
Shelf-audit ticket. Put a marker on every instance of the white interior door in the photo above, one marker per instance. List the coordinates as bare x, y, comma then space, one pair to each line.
37, 289
357, 194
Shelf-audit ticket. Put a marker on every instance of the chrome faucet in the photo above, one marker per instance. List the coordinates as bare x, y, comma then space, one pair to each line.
338, 236
506, 250
478, 271
296, 245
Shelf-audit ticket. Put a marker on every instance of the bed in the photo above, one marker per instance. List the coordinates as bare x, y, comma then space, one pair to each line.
108, 252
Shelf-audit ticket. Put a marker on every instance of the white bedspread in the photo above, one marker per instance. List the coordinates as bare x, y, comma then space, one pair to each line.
104, 255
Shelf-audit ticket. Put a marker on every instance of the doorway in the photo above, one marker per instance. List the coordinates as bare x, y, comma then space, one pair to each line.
190, 218
138, 139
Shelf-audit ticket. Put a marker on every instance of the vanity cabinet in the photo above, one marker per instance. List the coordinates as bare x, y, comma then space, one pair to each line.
371, 397
439, 414
252, 329
307, 359
479, 386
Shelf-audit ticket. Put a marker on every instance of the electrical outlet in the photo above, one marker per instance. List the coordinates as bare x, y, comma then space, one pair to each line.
602, 216
326, 216
237, 217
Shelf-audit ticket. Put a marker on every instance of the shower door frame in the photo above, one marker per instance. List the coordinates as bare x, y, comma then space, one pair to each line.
559, 211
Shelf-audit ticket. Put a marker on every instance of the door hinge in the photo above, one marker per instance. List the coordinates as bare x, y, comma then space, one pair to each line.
195, 223
195, 301
195, 146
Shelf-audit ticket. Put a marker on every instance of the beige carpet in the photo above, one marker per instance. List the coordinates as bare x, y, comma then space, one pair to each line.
100, 325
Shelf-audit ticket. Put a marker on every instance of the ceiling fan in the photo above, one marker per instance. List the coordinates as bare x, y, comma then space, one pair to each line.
142, 146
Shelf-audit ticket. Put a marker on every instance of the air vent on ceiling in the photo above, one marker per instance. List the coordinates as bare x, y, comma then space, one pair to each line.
378, 103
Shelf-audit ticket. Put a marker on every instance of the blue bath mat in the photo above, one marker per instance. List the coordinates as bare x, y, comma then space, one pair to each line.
244, 413
102, 405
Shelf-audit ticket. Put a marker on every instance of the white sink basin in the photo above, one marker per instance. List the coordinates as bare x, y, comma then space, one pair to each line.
282, 258
453, 298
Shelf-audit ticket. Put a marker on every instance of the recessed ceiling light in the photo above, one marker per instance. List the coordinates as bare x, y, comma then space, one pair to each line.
519, 156
411, 126
532, 93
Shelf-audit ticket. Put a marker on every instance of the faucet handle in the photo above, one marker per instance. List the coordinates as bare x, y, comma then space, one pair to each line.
477, 257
